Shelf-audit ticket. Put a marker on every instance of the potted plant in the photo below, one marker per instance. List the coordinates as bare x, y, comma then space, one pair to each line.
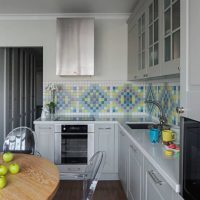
51, 105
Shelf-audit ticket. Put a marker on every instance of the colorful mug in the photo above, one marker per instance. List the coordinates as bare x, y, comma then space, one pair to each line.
154, 135
168, 136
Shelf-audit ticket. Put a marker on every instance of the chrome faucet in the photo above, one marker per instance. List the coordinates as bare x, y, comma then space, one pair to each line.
162, 117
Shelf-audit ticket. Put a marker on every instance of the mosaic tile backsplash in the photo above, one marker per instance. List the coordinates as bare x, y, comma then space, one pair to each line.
115, 97
168, 95
97, 97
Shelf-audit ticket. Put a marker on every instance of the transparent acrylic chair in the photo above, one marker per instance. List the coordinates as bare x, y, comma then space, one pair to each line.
20, 140
92, 174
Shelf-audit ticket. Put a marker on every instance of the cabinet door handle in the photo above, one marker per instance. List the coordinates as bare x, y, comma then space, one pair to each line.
154, 177
122, 133
134, 149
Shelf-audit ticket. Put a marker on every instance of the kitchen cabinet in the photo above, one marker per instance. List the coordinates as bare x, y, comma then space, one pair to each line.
123, 160
171, 40
135, 169
190, 62
157, 41
45, 140
155, 186
75, 46
105, 141
154, 44
139, 178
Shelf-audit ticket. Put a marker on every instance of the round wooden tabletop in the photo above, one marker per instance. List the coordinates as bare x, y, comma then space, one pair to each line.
37, 180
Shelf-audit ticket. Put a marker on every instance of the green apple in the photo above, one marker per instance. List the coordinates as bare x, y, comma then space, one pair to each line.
14, 168
3, 170
3, 182
8, 156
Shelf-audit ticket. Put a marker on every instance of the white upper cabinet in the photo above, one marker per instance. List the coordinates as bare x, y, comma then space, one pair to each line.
190, 61
75, 46
157, 43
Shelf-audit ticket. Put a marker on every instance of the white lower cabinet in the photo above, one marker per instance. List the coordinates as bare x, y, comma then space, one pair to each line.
135, 177
45, 141
105, 140
139, 179
123, 160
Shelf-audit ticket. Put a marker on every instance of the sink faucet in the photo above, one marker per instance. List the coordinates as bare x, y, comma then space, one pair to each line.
162, 118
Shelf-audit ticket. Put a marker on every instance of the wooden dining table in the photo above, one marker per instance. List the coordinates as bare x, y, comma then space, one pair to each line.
38, 179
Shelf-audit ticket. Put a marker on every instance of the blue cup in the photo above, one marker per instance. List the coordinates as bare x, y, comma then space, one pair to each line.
154, 135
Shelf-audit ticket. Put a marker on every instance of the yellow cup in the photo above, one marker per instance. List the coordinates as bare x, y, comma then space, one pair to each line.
168, 136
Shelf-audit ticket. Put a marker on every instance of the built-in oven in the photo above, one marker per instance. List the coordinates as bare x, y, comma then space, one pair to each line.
190, 159
74, 146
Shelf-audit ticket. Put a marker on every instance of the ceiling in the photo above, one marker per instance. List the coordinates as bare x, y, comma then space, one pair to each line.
65, 6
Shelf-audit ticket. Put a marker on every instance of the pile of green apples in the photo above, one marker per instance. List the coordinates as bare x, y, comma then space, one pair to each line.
13, 168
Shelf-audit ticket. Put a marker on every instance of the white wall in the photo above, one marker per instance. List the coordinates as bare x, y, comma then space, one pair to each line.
110, 45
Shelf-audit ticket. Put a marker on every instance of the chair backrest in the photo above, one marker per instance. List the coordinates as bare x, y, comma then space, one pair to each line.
20, 140
92, 174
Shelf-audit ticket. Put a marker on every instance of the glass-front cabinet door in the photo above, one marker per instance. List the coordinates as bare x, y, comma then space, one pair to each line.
153, 39
171, 39
157, 34
142, 46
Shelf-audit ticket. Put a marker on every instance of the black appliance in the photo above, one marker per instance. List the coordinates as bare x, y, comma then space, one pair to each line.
190, 159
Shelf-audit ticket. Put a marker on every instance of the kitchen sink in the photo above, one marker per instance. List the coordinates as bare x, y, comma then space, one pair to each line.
147, 125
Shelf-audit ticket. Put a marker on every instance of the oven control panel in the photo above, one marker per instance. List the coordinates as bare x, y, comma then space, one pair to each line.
74, 128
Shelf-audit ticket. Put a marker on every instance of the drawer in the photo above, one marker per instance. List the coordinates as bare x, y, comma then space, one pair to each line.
160, 183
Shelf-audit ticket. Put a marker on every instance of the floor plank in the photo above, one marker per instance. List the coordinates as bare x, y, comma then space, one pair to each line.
106, 190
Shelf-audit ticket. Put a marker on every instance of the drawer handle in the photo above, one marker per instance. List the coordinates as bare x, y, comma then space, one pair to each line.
74, 169
45, 128
104, 128
154, 177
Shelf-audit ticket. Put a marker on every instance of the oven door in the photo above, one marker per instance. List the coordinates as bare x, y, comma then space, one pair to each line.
73, 148
190, 159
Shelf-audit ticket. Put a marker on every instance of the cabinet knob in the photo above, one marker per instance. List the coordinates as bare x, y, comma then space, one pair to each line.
180, 110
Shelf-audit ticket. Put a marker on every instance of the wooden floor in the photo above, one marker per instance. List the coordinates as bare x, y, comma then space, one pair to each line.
106, 190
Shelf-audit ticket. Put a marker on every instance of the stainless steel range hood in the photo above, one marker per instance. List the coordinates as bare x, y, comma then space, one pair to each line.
75, 46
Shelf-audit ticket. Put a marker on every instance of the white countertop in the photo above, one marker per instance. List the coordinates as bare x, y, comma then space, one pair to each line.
168, 167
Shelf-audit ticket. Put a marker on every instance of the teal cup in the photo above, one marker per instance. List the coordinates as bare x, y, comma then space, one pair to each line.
154, 135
